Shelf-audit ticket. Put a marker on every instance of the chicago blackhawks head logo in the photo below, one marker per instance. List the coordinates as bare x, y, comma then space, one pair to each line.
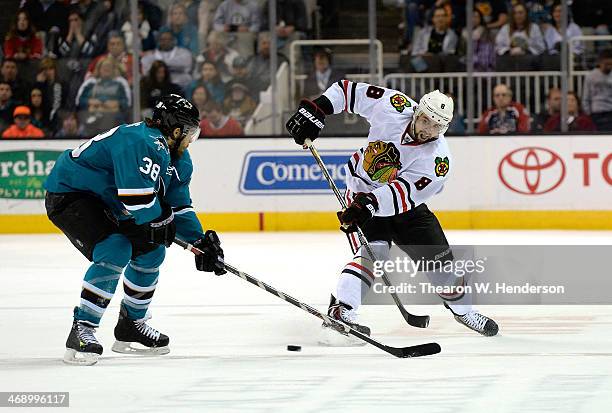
442, 166
400, 102
381, 161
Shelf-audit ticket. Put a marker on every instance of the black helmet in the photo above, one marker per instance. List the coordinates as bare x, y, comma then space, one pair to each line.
174, 111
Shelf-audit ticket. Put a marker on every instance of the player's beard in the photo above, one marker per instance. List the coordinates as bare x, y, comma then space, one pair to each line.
177, 147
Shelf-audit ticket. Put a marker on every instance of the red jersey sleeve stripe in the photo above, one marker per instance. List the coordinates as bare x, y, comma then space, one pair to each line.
401, 195
345, 89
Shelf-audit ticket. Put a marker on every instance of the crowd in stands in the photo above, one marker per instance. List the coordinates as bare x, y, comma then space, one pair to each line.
512, 35
67, 65
70, 62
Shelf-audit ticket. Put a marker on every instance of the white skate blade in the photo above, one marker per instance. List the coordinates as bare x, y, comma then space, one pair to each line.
77, 358
126, 347
332, 338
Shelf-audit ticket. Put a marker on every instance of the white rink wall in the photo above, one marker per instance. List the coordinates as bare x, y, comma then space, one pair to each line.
255, 184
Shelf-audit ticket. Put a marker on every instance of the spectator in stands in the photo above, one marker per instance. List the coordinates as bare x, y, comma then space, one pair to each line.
219, 54
577, 120
237, 16
241, 74
21, 42
484, 47
494, 13
553, 107
200, 98
323, 76
218, 123
597, 92
7, 105
74, 50
52, 90
76, 43
22, 128
434, 44
49, 16
39, 114
115, 48
553, 36
209, 78
519, 43
290, 22
178, 59
70, 126
259, 65
105, 95
10, 73
144, 30
185, 34
506, 116
238, 104
156, 84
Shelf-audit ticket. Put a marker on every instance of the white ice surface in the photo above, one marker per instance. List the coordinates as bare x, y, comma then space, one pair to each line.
229, 338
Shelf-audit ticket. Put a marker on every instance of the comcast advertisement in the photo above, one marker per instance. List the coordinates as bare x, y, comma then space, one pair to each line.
22, 173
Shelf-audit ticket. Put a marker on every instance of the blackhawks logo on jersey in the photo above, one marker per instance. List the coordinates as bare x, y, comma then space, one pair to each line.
400, 102
442, 166
381, 161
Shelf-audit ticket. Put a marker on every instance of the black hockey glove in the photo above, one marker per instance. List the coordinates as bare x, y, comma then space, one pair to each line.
211, 259
307, 122
163, 229
359, 212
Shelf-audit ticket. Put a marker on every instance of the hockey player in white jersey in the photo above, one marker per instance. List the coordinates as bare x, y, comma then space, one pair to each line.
405, 162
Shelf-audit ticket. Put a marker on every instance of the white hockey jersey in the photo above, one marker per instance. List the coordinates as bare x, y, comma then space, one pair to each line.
400, 172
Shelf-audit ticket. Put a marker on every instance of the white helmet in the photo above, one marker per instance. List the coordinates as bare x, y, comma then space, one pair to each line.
438, 107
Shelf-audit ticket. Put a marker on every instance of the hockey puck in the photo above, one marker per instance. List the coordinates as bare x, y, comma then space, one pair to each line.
294, 348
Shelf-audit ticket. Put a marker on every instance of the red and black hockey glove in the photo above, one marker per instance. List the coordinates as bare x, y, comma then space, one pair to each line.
359, 212
211, 259
306, 122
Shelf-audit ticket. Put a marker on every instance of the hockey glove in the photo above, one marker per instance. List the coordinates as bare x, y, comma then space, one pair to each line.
211, 259
163, 229
307, 122
359, 212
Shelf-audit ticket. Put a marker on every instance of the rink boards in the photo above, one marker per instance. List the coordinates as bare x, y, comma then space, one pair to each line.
253, 184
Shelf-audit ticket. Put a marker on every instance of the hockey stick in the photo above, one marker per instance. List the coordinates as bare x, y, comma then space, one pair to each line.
401, 352
421, 321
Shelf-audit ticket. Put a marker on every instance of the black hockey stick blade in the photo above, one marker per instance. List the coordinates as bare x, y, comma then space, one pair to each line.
420, 321
419, 350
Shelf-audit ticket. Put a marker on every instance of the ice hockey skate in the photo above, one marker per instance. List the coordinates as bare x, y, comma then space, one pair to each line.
477, 322
82, 347
137, 337
345, 313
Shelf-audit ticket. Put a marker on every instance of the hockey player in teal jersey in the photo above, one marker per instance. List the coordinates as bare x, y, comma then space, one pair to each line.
121, 198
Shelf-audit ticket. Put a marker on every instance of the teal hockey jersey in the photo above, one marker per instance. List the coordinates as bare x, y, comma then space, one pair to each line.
129, 168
